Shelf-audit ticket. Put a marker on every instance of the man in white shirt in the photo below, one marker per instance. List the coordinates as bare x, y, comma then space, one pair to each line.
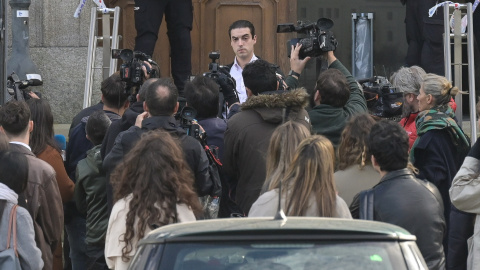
243, 39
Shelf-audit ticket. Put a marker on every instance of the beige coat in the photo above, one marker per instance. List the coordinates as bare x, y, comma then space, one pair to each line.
352, 180
116, 229
465, 195
267, 206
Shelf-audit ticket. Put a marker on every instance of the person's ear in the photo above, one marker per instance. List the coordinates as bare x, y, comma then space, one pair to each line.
127, 104
254, 39
145, 107
429, 99
373, 160
316, 97
137, 97
30, 128
176, 108
249, 92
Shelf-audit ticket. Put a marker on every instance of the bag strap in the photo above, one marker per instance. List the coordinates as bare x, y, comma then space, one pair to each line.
12, 223
366, 204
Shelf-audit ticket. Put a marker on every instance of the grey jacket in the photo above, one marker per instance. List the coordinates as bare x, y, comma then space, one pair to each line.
465, 194
28, 253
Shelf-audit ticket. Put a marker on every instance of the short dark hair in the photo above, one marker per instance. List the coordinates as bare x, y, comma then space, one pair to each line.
113, 91
14, 168
202, 94
160, 102
388, 143
241, 24
142, 92
259, 76
97, 126
14, 117
333, 88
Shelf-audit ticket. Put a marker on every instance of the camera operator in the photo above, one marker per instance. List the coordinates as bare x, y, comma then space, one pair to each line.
248, 132
160, 105
128, 119
243, 39
337, 97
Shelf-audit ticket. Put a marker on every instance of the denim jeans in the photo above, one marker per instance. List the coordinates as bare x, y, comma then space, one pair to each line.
96, 257
76, 230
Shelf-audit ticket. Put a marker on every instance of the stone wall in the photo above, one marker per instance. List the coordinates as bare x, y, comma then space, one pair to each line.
58, 46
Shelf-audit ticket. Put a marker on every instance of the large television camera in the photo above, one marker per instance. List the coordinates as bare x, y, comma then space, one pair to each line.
319, 40
131, 68
18, 89
383, 100
220, 74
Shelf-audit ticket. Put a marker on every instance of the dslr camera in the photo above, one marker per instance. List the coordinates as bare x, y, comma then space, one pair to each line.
219, 73
131, 69
319, 38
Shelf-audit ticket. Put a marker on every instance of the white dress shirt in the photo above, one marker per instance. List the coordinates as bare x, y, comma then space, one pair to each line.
236, 73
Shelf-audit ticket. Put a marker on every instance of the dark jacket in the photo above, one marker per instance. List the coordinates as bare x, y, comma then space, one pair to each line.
248, 135
83, 113
77, 148
90, 196
128, 120
438, 159
215, 129
291, 82
193, 151
330, 121
415, 205
44, 204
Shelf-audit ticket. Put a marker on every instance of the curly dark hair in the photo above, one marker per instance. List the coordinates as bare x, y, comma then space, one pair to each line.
156, 174
388, 143
353, 142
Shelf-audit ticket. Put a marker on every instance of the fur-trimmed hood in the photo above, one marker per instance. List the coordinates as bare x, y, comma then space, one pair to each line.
296, 98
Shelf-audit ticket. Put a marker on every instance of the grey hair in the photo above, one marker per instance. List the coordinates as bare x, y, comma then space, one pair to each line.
439, 87
408, 79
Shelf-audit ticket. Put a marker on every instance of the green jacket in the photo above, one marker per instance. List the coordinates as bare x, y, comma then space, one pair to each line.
330, 121
91, 197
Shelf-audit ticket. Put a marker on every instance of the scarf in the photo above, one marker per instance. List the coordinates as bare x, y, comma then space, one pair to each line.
439, 117
8, 194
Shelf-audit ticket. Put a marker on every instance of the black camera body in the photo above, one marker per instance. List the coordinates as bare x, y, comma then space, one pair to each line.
218, 72
383, 100
186, 118
18, 89
131, 68
319, 40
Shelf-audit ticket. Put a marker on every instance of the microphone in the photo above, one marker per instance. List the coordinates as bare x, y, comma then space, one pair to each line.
62, 143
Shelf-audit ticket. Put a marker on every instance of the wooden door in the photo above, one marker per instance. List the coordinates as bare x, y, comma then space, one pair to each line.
210, 30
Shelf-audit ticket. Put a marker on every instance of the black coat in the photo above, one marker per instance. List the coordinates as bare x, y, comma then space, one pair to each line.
438, 159
414, 205
194, 154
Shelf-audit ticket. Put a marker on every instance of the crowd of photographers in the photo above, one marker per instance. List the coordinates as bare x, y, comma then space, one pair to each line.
144, 157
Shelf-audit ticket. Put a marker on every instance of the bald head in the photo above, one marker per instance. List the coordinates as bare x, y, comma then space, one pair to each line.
161, 98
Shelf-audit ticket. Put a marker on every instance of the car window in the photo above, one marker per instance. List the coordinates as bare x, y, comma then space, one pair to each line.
283, 256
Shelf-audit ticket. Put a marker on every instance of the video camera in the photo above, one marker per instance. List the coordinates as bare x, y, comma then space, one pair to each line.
319, 39
18, 88
186, 118
219, 73
383, 100
131, 69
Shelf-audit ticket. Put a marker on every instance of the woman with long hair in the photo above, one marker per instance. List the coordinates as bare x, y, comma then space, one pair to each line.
45, 148
283, 143
153, 187
13, 181
355, 171
308, 188
438, 153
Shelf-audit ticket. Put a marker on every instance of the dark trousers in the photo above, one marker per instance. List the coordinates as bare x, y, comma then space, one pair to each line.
424, 36
179, 17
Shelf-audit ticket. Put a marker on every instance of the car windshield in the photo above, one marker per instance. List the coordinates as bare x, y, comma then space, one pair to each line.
275, 255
